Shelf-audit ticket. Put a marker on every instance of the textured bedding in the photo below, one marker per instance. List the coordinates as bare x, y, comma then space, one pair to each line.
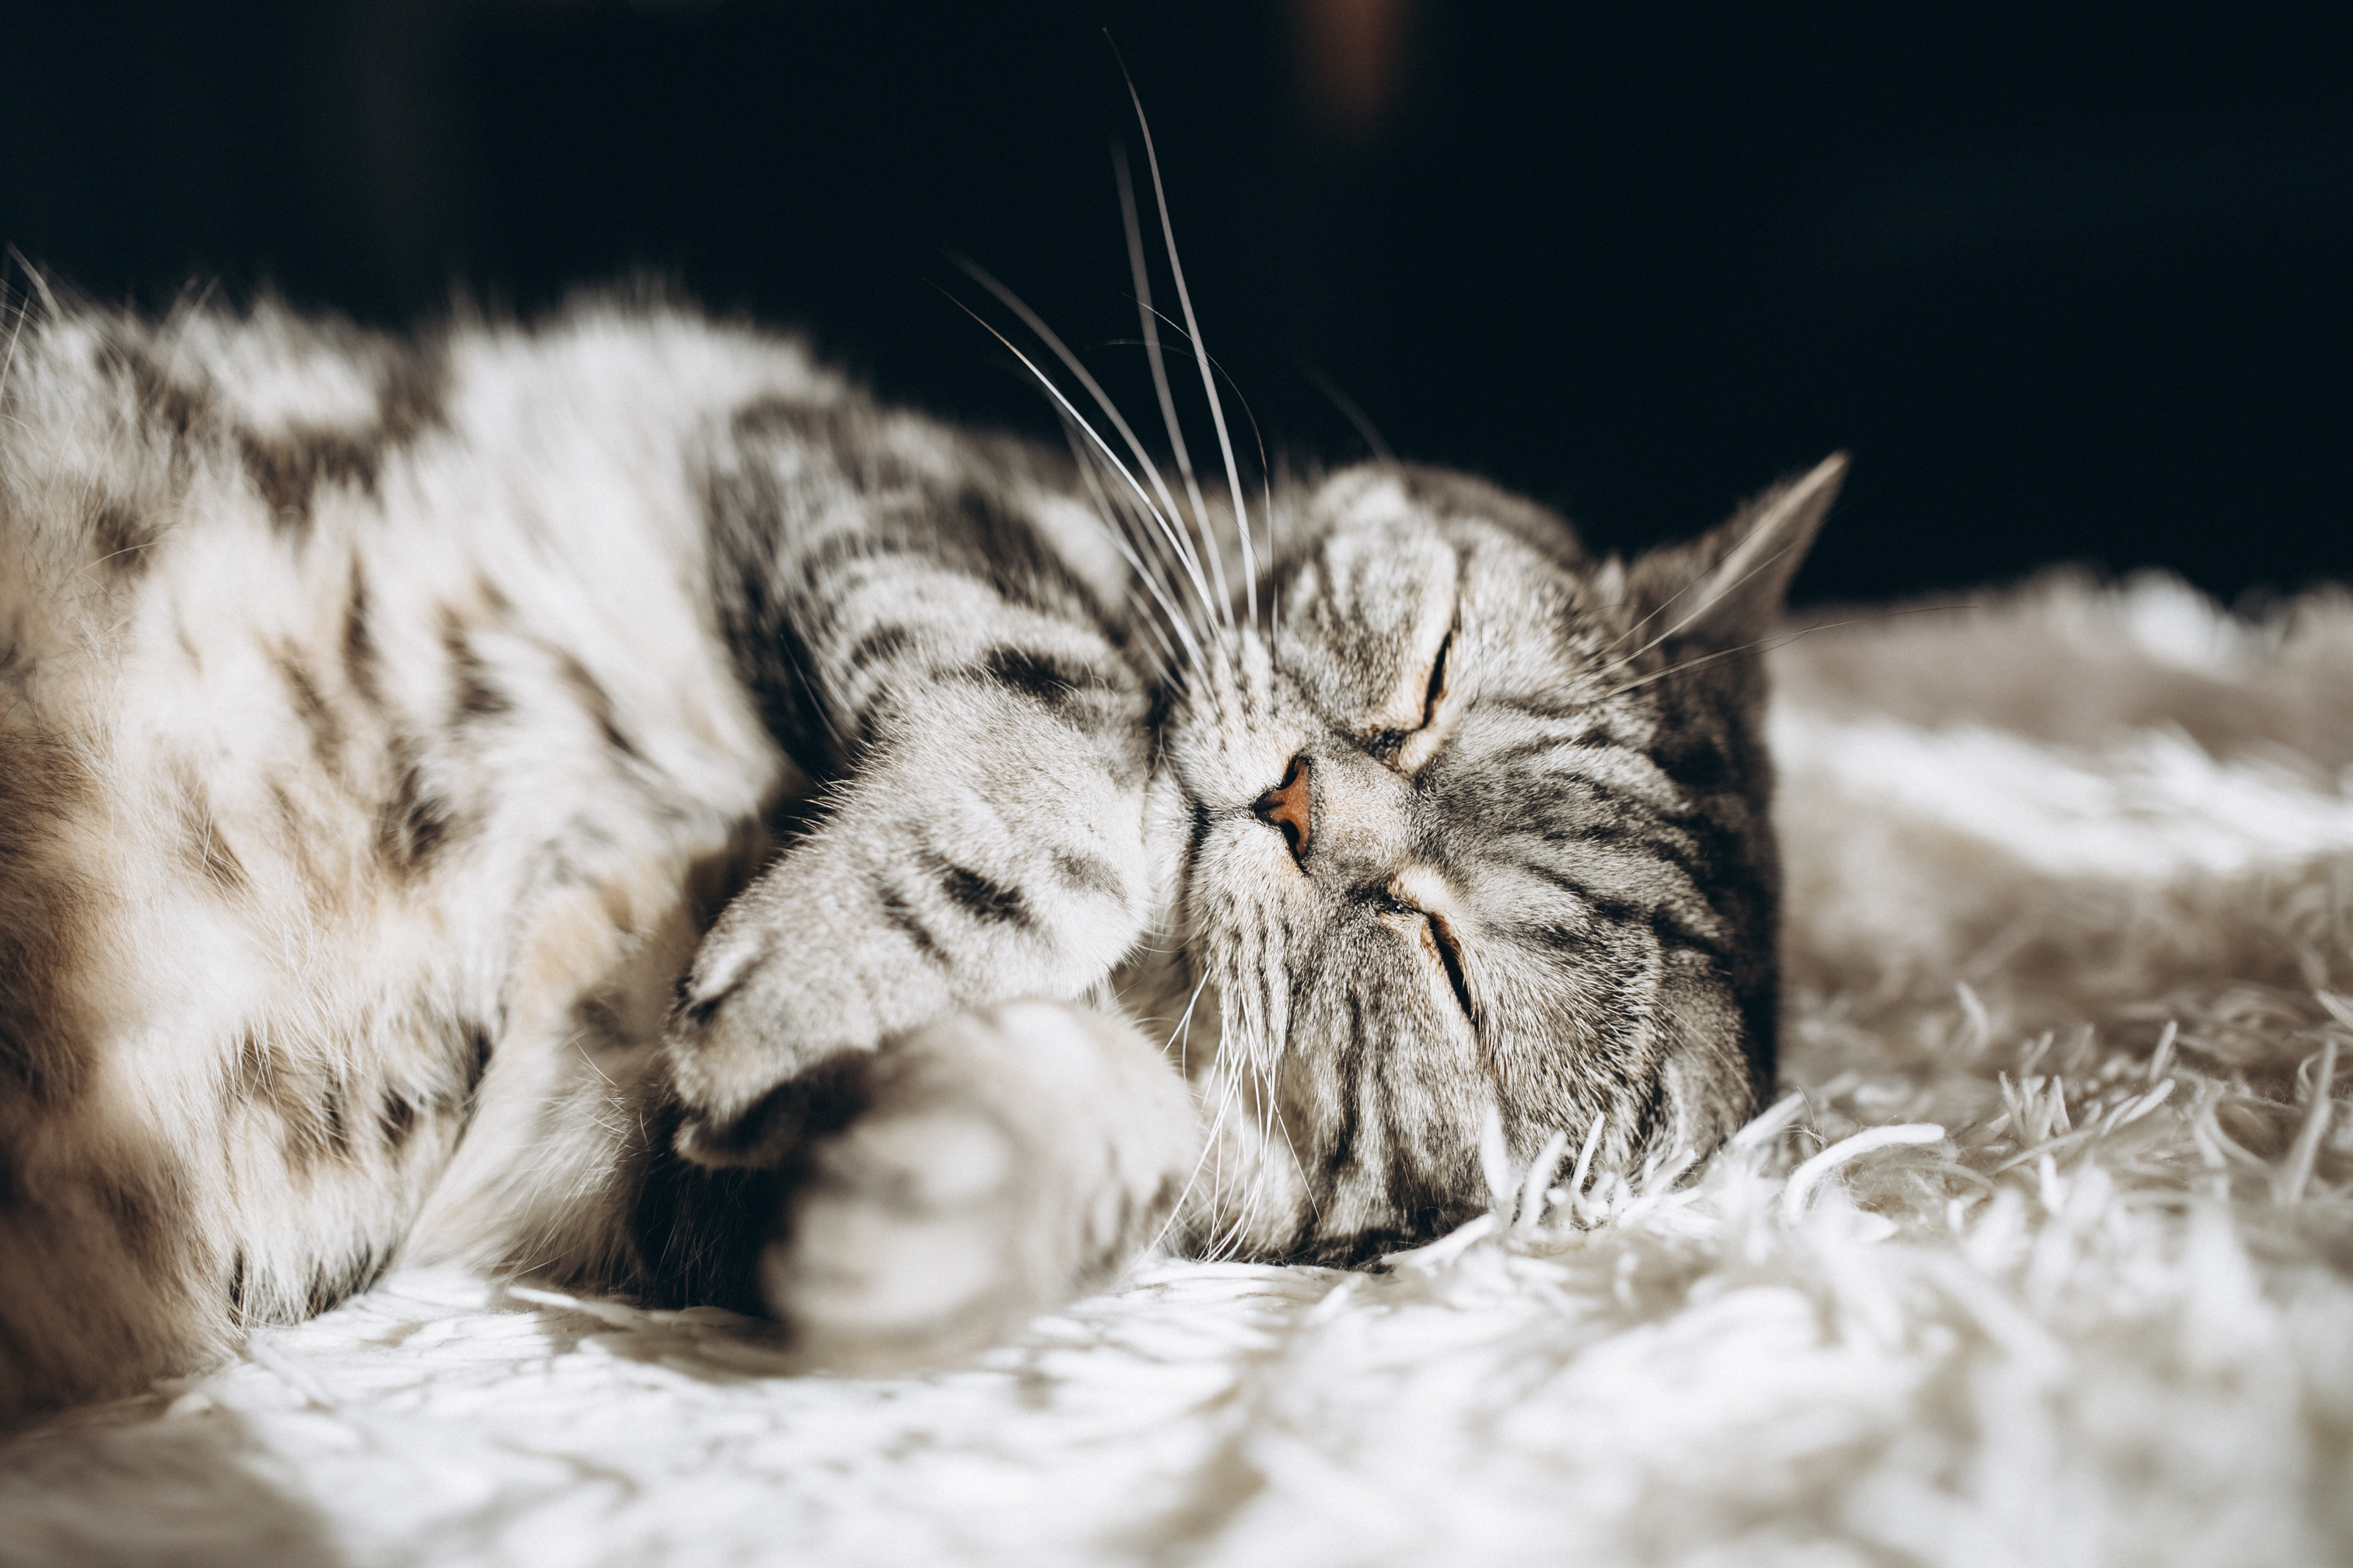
2045, 1256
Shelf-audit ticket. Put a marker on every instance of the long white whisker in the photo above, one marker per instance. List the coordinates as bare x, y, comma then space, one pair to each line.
1265, 472
1150, 320
1769, 644
1307, 1187
1153, 566
1148, 573
1184, 1023
1266, 481
1690, 617
1201, 357
1046, 335
1230, 1086
1258, 435
1103, 448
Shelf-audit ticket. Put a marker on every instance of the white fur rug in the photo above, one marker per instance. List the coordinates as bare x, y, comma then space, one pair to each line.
2047, 1259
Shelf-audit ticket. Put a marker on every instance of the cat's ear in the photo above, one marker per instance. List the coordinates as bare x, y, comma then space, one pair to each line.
1724, 589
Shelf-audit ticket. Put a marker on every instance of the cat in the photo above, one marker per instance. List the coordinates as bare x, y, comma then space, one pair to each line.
610, 801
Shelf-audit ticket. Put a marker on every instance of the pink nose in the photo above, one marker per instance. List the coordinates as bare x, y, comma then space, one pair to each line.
1291, 806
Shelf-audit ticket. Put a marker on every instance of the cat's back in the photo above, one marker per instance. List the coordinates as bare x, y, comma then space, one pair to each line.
144, 462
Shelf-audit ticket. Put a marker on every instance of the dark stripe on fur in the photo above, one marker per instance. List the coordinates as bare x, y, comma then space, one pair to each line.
1088, 875
140, 1210
477, 697
172, 407
1040, 676
985, 899
1002, 547
287, 469
311, 707
696, 1011
413, 398
699, 1232
879, 646
1340, 1151
399, 1120
359, 643
335, 1283
415, 822
598, 704
123, 537
904, 919
743, 514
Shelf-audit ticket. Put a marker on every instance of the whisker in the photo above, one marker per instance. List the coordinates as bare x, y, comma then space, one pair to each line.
1691, 617
1148, 573
1217, 1171
1307, 1187
1208, 383
1780, 639
1266, 483
1258, 437
1179, 1038
1101, 445
1046, 335
1208, 1146
1149, 318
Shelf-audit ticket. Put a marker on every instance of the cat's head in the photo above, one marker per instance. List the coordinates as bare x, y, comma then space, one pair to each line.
1482, 821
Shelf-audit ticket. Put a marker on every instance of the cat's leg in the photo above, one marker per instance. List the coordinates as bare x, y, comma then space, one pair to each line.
989, 849
896, 607
865, 1147
911, 629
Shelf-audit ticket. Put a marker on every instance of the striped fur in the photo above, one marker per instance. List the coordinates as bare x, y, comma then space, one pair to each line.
588, 802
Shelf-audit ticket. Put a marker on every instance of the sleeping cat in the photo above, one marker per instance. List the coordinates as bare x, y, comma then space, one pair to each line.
612, 803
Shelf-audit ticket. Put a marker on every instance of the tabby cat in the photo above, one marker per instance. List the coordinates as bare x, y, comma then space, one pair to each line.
612, 803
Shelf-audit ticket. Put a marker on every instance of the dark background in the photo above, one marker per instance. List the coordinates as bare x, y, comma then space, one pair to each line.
2071, 283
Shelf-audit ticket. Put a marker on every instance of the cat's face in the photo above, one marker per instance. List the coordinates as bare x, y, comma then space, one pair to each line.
1471, 829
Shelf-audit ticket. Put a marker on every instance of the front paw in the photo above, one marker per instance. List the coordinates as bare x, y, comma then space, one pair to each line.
768, 1024
907, 1248
1004, 1161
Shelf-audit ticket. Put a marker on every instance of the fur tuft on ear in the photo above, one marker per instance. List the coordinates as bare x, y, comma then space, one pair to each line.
1724, 589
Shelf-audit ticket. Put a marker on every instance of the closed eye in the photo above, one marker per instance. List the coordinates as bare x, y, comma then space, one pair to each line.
1440, 937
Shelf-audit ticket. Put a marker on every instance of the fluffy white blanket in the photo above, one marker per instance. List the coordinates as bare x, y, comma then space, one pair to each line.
2044, 1258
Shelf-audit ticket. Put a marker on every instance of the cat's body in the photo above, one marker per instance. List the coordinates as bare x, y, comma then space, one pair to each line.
384, 727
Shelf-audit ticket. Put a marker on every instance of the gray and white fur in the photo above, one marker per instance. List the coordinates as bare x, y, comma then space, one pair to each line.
611, 803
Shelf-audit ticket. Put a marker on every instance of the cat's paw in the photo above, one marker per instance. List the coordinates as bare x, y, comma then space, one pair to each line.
907, 1249
769, 1005
1005, 1161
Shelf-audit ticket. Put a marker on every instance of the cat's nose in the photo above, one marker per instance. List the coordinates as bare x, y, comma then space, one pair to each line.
1290, 807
